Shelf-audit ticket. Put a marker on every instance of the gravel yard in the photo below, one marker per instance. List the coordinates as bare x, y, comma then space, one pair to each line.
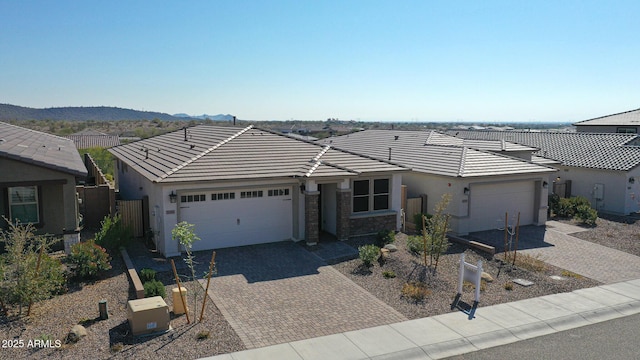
617, 232
443, 286
52, 319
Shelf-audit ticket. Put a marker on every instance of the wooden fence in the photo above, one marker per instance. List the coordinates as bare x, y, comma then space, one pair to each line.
131, 213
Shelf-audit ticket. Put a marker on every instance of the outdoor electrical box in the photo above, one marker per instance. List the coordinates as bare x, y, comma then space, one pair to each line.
148, 315
598, 191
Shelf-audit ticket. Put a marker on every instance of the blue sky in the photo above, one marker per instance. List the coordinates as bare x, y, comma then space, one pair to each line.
363, 60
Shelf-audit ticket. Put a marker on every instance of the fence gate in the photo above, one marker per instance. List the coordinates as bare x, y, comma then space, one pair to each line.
131, 213
414, 206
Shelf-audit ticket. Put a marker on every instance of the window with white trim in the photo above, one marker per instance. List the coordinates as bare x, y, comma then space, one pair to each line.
370, 195
223, 196
193, 198
23, 204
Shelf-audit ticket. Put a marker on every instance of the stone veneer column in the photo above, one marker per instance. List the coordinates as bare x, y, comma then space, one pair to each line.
311, 217
343, 214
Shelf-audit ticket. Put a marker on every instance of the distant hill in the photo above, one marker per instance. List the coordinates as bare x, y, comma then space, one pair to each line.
226, 117
97, 113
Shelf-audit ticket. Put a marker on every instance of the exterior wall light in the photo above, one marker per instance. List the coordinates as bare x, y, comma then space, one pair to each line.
632, 180
302, 188
545, 184
173, 197
466, 191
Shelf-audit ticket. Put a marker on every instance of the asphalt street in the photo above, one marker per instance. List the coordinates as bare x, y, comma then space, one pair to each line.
617, 339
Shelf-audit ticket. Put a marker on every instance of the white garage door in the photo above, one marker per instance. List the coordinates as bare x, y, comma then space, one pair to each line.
489, 203
236, 218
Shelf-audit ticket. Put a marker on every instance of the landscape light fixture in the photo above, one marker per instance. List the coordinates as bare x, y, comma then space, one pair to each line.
173, 197
466, 191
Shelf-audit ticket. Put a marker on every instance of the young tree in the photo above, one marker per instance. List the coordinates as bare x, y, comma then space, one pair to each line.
435, 233
20, 283
184, 233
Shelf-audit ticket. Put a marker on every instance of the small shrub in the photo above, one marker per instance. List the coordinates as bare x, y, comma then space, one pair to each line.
147, 275
154, 288
586, 215
385, 237
531, 263
417, 221
415, 290
388, 274
203, 335
508, 286
368, 254
415, 244
113, 233
468, 286
117, 347
90, 259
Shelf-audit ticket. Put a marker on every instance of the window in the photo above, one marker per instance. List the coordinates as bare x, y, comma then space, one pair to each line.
23, 204
193, 198
223, 196
278, 192
627, 130
370, 195
250, 194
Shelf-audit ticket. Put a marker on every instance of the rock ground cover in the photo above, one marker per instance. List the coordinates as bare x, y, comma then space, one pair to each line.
52, 319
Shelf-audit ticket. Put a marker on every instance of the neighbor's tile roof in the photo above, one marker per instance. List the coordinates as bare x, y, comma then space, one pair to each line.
94, 140
589, 150
629, 118
228, 153
435, 153
42, 149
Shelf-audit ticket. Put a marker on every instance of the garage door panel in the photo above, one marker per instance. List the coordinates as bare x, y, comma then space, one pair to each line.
489, 203
239, 221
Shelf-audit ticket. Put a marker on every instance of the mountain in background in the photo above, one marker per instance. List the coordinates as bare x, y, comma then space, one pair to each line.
226, 117
72, 113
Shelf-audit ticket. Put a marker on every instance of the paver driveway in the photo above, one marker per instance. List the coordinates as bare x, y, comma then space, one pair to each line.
276, 293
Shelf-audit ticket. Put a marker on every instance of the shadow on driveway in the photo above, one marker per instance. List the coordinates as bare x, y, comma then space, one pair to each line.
530, 237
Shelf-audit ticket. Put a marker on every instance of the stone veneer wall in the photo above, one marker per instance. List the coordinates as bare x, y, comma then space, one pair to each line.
372, 224
343, 210
312, 218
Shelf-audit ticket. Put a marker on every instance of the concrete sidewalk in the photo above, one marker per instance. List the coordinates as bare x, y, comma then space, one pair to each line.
453, 334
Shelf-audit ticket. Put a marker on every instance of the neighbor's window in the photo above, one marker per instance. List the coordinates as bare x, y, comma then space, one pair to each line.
193, 198
627, 130
380, 194
23, 204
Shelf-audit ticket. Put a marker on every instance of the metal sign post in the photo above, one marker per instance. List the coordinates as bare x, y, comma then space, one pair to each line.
473, 274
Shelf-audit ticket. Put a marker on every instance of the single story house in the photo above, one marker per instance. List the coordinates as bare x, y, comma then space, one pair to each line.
627, 122
603, 167
486, 179
89, 138
243, 186
38, 181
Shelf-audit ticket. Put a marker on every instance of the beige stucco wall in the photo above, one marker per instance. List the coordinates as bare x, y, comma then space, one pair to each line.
57, 199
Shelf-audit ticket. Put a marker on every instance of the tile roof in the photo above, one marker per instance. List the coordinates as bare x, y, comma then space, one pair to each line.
436, 153
230, 153
85, 141
630, 118
609, 151
42, 149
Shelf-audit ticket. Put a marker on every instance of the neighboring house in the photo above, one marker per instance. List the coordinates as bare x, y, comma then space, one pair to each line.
627, 122
603, 167
88, 138
38, 179
485, 179
243, 186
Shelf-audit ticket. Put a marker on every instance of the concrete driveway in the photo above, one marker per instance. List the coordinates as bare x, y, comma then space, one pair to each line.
277, 293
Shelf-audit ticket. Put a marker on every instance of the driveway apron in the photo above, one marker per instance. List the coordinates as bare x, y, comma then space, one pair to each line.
276, 293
